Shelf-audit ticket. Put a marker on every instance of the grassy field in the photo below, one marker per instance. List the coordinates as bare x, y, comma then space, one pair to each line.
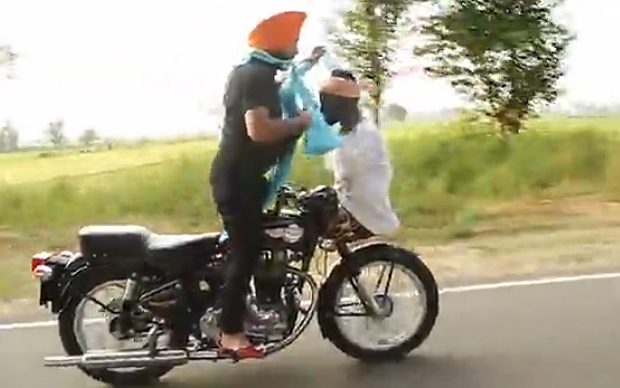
458, 188
34, 166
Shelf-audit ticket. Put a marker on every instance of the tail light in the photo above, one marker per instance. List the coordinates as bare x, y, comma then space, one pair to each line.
38, 260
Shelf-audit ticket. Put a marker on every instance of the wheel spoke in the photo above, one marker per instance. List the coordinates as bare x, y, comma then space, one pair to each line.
380, 279
389, 280
368, 301
103, 306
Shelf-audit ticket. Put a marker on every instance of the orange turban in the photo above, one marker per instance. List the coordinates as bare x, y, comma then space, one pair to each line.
341, 87
279, 33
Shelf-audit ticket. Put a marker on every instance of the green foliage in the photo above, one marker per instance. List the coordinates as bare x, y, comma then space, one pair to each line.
89, 137
55, 134
367, 40
505, 55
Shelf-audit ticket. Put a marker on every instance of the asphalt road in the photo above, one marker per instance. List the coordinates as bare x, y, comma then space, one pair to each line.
554, 335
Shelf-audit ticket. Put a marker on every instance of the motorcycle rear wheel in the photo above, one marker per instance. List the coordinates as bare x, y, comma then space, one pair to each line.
71, 345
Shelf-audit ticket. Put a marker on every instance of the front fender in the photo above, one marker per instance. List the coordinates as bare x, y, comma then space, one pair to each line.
364, 245
349, 257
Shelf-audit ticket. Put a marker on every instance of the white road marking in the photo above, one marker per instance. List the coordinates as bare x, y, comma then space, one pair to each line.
532, 282
448, 290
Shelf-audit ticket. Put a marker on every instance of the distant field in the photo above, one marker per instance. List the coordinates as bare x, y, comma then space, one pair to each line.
26, 167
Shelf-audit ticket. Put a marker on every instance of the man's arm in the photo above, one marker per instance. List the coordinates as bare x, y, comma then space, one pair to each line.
308, 63
343, 172
263, 129
258, 93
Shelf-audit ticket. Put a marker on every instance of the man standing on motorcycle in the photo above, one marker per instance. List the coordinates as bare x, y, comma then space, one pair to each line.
254, 136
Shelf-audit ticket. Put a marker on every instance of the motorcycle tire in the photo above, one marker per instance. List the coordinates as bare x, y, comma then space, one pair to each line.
357, 260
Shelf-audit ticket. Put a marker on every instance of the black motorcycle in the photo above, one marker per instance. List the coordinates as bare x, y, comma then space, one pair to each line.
167, 290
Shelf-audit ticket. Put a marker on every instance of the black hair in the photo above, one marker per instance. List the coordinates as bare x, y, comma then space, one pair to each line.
341, 73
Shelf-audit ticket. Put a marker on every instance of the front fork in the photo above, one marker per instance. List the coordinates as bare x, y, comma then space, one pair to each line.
368, 300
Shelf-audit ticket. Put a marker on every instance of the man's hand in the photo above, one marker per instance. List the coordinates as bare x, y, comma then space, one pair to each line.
305, 119
302, 122
317, 53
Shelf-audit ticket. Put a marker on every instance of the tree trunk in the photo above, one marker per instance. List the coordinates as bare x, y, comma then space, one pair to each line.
375, 97
375, 108
509, 121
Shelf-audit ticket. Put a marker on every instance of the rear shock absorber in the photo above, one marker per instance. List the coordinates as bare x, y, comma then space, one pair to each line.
130, 297
131, 289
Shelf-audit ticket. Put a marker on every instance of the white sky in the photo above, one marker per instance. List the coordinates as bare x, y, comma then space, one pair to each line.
156, 67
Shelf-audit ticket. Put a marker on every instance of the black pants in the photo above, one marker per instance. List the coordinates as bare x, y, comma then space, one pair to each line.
239, 201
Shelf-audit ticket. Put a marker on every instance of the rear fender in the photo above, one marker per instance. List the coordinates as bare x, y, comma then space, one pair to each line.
73, 273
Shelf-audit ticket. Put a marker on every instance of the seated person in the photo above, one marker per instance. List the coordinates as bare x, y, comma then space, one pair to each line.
361, 166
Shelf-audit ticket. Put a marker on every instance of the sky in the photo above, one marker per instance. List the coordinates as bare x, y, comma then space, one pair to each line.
136, 68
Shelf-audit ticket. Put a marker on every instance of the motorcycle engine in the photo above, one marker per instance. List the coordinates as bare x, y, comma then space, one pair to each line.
261, 325
269, 307
281, 245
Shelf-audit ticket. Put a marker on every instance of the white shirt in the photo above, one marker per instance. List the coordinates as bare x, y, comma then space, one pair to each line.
362, 173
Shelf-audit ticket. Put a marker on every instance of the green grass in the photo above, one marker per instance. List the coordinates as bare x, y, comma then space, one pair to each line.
445, 174
36, 166
441, 172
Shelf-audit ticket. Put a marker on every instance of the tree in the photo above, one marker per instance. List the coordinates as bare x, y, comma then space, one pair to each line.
367, 39
9, 138
396, 112
7, 57
89, 137
504, 55
55, 134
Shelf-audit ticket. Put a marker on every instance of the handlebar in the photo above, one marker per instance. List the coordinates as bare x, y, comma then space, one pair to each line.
287, 194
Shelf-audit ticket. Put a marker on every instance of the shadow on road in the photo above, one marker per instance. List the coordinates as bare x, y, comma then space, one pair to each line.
418, 371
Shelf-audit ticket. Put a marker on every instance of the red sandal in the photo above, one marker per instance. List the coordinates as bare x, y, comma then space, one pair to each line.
246, 352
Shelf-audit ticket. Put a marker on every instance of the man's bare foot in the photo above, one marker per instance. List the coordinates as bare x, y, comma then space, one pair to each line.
234, 341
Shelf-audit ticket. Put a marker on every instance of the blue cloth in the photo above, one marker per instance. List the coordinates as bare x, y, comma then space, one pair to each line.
318, 139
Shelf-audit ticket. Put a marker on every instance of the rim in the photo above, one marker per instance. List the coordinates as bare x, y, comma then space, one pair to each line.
105, 293
388, 285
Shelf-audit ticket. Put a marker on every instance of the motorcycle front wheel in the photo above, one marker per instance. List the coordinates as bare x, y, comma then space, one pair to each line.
346, 323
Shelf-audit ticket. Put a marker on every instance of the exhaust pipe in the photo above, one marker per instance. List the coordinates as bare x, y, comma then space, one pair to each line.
111, 360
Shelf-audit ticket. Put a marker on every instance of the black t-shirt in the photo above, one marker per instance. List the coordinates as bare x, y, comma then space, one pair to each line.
249, 86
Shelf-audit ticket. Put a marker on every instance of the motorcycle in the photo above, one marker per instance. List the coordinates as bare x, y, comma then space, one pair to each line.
167, 291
